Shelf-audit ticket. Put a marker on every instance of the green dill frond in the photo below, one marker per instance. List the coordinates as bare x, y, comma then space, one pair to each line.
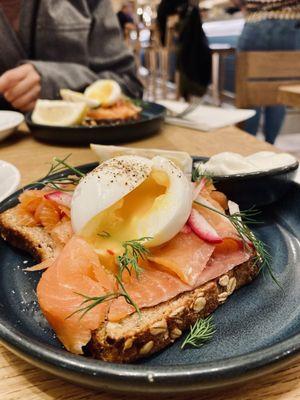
104, 234
240, 221
133, 250
59, 165
202, 331
198, 174
90, 302
127, 297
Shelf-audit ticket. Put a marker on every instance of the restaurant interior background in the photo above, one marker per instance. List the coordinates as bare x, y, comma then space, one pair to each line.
222, 29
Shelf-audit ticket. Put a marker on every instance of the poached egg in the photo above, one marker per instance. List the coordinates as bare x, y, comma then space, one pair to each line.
129, 198
106, 91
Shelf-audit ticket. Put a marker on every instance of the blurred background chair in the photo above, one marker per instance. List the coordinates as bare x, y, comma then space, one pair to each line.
260, 74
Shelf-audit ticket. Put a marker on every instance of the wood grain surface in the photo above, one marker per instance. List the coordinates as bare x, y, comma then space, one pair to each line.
21, 381
289, 95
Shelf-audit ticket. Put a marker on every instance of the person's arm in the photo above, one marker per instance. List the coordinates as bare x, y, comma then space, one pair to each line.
108, 59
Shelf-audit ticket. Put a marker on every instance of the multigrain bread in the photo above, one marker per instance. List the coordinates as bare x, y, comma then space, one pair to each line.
138, 336
34, 240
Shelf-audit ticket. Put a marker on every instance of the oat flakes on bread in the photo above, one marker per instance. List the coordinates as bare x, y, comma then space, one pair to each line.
138, 337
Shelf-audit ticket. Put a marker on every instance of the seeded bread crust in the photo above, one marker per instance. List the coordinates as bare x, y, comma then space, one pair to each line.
34, 240
137, 337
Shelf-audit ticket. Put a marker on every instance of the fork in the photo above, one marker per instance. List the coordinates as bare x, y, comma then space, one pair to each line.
190, 108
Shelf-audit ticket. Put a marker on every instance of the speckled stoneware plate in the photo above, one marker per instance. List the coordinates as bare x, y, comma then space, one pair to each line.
258, 328
147, 124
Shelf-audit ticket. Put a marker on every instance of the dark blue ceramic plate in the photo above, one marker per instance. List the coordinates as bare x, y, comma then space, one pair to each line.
148, 123
258, 329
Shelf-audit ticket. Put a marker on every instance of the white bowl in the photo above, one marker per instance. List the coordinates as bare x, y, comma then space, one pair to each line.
9, 121
9, 179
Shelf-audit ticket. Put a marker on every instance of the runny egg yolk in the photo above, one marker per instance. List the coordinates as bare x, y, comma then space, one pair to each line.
122, 221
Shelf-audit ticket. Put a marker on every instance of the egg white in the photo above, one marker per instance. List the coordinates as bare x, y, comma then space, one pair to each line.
132, 197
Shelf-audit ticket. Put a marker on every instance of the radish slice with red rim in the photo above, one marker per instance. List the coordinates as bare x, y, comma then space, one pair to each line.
202, 228
61, 198
186, 229
198, 188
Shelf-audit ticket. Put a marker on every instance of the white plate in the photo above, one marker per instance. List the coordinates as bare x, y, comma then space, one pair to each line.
9, 179
206, 118
9, 121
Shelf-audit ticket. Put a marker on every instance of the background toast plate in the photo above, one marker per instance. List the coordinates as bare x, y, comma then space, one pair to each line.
148, 123
258, 328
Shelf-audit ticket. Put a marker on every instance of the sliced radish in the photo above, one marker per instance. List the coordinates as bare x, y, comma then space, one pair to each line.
61, 198
201, 200
202, 228
186, 229
198, 188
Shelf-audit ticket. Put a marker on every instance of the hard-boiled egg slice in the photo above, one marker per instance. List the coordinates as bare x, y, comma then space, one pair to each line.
131, 197
77, 97
106, 91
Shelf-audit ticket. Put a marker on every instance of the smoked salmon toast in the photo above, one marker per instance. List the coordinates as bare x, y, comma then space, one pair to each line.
134, 254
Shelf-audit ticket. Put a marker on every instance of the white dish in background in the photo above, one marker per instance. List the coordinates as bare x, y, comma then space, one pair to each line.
9, 179
205, 118
9, 121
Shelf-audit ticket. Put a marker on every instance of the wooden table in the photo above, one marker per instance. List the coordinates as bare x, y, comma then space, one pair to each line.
289, 95
21, 381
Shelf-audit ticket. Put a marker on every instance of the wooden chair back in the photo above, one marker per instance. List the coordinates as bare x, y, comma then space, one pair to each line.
259, 75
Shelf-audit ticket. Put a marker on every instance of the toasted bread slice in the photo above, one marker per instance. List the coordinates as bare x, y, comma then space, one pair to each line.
137, 336
34, 240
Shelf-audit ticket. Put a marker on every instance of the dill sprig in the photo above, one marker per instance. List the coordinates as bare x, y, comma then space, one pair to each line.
57, 166
104, 234
126, 295
240, 220
133, 250
91, 302
202, 331
198, 174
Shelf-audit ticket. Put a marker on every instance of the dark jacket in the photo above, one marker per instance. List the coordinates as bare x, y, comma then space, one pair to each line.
165, 9
71, 43
194, 55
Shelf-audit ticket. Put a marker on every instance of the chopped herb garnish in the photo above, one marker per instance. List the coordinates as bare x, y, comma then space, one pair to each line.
198, 174
58, 165
202, 331
91, 302
133, 250
104, 234
240, 221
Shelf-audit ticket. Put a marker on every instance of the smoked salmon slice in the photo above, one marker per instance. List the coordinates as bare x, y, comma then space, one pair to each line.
186, 255
76, 271
222, 262
151, 288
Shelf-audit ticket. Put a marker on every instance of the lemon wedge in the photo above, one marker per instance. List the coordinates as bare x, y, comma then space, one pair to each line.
77, 97
106, 91
58, 113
